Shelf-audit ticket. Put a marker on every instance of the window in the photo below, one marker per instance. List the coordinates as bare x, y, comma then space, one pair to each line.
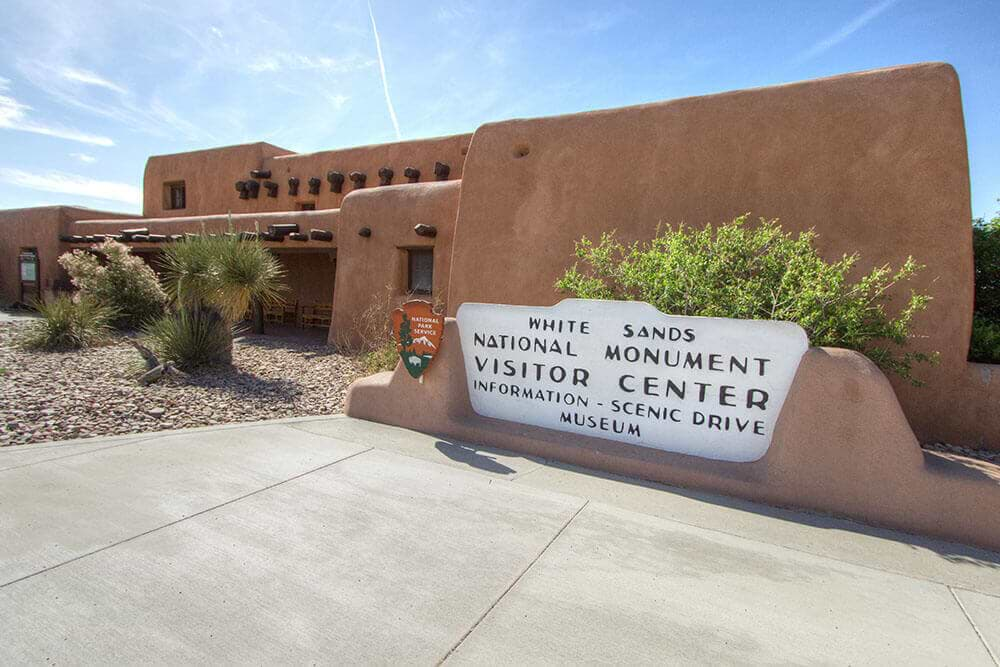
306, 206
174, 196
421, 271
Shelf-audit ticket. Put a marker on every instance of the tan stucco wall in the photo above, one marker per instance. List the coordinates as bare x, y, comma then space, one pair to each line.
210, 175
875, 162
36, 228
309, 275
367, 266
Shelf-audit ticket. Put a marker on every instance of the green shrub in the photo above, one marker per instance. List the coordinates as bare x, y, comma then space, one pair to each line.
382, 358
986, 245
122, 281
985, 344
756, 273
68, 324
191, 337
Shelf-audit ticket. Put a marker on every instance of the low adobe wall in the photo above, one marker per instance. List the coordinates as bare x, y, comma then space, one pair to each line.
37, 228
841, 445
875, 162
370, 266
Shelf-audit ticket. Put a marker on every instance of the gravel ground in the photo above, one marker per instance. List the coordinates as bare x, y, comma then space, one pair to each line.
47, 396
57, 396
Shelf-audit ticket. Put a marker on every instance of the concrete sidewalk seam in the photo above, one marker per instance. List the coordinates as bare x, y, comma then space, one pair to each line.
982, 639
799, 550
89, 451
185, 518
514, 583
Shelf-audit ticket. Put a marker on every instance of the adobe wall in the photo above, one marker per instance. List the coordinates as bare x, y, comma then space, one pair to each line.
841, 445
36, 228
309, 275
421, 154
367, 266
875, 162
210, 175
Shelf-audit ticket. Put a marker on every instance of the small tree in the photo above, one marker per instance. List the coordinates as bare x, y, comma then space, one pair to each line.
212, 280
756, 273
122, 282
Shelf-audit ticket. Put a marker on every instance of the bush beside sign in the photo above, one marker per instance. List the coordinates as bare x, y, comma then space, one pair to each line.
622, 370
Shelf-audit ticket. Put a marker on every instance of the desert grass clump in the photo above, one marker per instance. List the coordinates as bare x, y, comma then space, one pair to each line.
192, 337
69, 324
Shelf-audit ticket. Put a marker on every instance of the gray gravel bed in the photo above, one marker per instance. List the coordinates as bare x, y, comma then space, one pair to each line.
46, 396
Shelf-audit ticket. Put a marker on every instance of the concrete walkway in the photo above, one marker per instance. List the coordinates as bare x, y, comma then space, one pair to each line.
333, 540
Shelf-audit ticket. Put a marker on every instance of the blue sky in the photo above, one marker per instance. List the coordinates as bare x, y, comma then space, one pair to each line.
89, 90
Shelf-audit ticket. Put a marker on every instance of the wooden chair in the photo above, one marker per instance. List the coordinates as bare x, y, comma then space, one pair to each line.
274, 314
316, 316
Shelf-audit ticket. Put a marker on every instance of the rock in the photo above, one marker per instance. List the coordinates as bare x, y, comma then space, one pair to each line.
152, 375
271, 377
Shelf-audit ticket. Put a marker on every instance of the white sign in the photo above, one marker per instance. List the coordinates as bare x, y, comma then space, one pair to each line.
624, 371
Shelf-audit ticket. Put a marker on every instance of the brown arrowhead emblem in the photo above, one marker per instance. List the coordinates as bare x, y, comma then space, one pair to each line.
418, 331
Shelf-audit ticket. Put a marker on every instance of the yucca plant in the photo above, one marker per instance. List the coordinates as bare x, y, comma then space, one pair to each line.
192, 337
212, 280
68, 324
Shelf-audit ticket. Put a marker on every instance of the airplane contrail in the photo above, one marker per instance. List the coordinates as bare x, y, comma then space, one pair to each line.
381, 66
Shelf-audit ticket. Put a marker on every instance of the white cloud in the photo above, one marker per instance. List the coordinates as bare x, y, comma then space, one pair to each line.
336, 101
71, 184
14, 116
83, 157
89, 78
63, 84
845, 31
283, 60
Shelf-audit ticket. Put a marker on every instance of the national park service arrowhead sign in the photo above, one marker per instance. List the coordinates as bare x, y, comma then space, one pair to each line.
418, 330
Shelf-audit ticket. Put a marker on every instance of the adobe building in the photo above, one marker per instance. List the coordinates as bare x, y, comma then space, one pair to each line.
875, 161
